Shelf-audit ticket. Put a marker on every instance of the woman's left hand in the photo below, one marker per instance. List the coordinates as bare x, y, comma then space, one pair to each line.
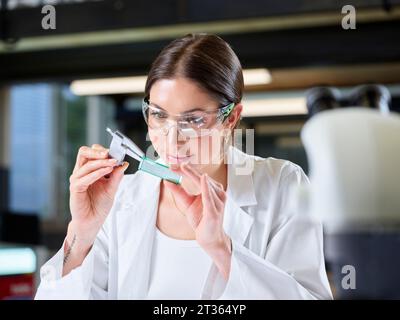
205, 213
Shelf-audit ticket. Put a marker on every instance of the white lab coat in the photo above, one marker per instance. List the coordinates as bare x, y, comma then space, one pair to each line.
277, 252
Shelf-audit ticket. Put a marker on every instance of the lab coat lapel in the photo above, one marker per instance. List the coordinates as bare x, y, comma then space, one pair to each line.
240, 196
136, 223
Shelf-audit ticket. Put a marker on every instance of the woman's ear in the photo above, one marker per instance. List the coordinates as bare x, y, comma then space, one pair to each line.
234, 117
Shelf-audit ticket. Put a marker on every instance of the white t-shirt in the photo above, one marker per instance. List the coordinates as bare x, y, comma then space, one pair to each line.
178, 268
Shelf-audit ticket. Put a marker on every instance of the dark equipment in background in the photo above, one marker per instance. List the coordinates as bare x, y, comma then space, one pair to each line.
371, 96
327, 98
373, 254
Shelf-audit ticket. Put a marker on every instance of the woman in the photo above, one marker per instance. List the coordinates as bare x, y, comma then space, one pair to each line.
226, 233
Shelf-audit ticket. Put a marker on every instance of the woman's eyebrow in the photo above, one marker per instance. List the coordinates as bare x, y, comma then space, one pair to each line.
156, 105
193, 110
185, 112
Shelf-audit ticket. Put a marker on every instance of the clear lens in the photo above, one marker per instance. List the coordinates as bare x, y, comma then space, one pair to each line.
193, 124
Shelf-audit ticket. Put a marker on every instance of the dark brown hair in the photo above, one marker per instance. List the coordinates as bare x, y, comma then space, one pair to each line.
205, 59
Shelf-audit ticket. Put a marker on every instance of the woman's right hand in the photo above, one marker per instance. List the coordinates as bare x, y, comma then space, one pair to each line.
93, 185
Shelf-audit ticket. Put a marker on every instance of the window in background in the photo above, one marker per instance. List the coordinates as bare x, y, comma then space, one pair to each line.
32, 143
48, 125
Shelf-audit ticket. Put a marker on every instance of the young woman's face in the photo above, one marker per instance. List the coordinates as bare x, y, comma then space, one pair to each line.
180, 99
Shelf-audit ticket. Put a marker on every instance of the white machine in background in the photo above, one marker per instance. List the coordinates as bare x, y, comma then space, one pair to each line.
354, 159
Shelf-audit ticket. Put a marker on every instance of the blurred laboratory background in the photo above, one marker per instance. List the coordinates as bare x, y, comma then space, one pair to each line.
60, 88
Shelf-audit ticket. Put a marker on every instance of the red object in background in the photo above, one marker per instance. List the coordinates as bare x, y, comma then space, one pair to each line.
19, 286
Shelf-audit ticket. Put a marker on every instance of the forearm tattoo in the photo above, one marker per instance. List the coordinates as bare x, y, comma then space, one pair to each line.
67, 254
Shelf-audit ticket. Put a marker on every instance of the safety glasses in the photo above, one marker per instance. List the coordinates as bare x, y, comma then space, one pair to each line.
192, 124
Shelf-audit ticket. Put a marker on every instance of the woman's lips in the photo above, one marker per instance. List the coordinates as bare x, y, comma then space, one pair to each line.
178, 159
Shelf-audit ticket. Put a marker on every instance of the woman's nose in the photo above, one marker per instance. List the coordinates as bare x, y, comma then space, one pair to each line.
173, 134
174, 138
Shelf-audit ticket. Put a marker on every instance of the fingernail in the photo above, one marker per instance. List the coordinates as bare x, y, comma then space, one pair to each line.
126, 164
112, 160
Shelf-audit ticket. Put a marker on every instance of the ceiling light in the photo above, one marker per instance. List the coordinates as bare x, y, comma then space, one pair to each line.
274, 107
109, 86
136, 84
254, 77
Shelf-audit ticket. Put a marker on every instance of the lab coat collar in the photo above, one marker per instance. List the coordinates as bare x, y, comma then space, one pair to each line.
136, 223
240, 178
